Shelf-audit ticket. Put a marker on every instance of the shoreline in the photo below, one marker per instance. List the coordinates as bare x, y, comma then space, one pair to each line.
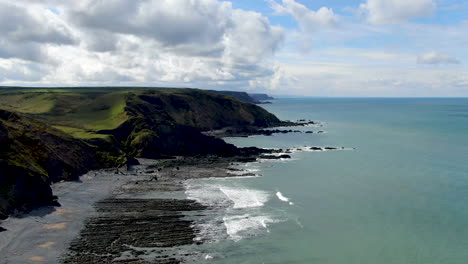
96, 222
43, 234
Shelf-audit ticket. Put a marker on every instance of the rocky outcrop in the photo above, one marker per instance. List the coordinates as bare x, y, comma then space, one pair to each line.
153, 123
33, 155
162, 124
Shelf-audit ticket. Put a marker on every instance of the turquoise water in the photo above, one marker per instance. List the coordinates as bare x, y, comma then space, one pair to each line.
400, 197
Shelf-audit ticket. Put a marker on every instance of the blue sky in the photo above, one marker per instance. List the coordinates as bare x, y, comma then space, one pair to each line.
298, 47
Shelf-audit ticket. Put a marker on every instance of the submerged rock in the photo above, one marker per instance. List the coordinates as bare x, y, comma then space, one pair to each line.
284, 156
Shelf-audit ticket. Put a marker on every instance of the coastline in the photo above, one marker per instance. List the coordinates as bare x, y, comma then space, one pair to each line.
43, 234
105, 212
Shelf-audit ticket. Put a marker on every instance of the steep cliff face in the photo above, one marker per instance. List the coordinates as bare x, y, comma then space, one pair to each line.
205, 111
33, 155
169, 122
70, 132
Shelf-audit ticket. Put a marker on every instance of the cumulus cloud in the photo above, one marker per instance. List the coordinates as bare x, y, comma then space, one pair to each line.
395, 11
25, 32
436, 58
146, 41
309, 21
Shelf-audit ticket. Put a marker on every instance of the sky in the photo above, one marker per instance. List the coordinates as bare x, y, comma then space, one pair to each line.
326, 48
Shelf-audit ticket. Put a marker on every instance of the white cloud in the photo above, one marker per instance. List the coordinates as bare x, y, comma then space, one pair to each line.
25, 32
436, 58
396, 11
334, 79
309, 21
172, 42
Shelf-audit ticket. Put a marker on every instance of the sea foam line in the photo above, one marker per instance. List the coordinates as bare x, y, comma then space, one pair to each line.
245, 198
245, 225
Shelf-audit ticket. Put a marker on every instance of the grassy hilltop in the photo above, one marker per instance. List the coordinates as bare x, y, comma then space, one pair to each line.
59, 133
86, 112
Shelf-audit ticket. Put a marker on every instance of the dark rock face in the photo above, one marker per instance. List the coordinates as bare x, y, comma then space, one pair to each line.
33, 155
171, 124
284, 156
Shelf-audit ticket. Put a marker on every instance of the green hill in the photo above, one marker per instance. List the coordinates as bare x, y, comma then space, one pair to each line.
56, 134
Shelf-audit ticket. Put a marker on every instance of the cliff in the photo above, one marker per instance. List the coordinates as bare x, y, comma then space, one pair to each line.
241, 96
261, 97
32, 156
48, 135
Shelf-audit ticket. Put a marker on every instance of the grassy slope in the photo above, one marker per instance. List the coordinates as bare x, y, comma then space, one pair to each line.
79, 112
63, 132
83, 112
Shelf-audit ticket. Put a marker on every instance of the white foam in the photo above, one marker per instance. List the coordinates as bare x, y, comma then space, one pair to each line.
206, 194
240, 226
283, 198
245, 198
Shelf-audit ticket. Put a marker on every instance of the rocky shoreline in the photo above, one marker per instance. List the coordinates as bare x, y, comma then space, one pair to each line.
144, 218
120, 216
246, 131
139, 223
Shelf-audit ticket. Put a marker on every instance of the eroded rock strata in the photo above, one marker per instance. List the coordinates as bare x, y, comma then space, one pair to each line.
132, 227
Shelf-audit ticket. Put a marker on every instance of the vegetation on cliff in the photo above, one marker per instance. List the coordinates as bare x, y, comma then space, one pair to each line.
33, 155
48, 135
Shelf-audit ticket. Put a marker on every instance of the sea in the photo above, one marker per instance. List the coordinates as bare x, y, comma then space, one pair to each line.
396, 193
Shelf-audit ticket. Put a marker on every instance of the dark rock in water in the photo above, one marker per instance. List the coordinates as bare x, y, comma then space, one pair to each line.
316, 148
284, 156
246, 159
309, 132
245, 131
320, 132
331, 148
2, 229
